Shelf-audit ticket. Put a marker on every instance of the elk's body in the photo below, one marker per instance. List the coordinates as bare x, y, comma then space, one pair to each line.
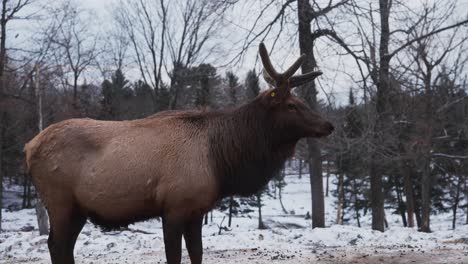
174, 164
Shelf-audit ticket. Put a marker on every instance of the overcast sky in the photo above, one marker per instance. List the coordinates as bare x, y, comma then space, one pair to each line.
337, 69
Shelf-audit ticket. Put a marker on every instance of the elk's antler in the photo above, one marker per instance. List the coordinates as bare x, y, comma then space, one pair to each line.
284, 80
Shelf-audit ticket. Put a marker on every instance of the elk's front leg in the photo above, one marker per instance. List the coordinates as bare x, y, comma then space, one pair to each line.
193, 239
172, 229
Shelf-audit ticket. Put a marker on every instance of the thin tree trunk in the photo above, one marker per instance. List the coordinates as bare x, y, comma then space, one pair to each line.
356, 208
300, 168
328, 177
3, 28
409, 195
75, 96
2, 113
339, 217
466, 200
28, 194
401, 209
42, 218
231, 201
455, 204
417, 214
316, 183
25, 189
426, 188
261, 225
281, 200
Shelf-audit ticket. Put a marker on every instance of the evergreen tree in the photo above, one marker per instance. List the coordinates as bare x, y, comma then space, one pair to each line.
351, 164
252, 84
114, 92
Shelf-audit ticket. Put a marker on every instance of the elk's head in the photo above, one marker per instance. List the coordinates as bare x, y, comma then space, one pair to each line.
290, 114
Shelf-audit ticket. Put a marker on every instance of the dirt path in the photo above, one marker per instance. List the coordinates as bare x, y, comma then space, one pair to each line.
263, 256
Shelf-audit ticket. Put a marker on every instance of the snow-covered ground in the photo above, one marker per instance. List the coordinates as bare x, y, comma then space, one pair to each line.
289, 238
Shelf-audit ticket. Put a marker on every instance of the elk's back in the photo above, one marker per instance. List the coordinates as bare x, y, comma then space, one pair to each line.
122, 171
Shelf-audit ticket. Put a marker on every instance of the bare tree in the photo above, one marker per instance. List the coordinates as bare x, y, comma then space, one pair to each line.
428, 58
313, 25
76, 45
10, 10
42, 218
389, 44
174, 34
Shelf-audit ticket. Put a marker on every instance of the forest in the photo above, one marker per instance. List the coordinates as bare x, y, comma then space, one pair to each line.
394, 85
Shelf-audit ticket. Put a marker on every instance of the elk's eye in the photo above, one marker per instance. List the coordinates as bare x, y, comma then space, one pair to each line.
291, 107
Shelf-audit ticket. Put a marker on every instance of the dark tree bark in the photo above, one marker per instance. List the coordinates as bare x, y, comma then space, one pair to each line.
383, 87
466, 199
309, 92
401, 207
356, 208
408, 188
300, 168
328, 178
339, 210
231, 201
261, 225
456, 201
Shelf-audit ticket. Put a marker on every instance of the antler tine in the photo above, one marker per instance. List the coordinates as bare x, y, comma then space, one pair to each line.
291, 70
303, 78
267, 63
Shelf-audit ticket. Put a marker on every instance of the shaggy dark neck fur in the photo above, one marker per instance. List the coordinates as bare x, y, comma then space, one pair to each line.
246, 149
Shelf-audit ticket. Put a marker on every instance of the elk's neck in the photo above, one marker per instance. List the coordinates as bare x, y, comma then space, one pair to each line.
246, 150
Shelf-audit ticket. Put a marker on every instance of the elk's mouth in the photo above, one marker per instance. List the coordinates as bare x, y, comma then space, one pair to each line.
322, 131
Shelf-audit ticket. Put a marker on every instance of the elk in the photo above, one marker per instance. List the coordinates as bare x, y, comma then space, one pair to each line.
175, 164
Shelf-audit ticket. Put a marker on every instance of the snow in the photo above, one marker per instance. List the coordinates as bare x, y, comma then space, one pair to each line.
289, 239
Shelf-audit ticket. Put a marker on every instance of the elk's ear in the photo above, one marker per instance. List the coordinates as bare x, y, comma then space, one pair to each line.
268, 78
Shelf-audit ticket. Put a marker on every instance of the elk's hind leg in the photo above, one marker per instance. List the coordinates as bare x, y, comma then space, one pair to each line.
66, 222
193, 239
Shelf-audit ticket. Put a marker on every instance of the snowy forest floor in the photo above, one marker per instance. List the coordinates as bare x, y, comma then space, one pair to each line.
289, 238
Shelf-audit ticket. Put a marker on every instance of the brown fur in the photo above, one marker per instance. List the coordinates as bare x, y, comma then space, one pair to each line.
174, 164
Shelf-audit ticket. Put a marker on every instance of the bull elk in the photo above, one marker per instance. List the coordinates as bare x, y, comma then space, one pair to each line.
174, 164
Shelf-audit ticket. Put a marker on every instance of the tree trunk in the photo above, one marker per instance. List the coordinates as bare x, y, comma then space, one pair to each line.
231, 201
42, 218
25, 189
75, 96
328, 177
427, 179
1, 159
300, 168
261, 225
3, 23
409, 195
401, 209
281, 200
466, 199
356, 208
455, 204
383, 87
417, 214
309, 93
339, 217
